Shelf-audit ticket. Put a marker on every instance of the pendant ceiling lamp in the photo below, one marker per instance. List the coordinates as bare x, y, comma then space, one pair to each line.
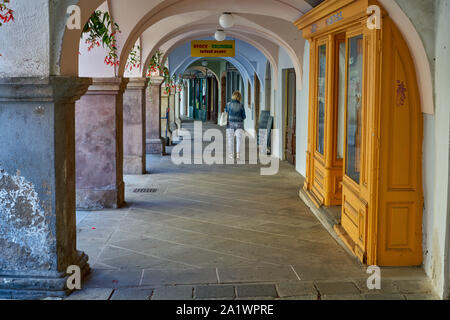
220, 35
226, 20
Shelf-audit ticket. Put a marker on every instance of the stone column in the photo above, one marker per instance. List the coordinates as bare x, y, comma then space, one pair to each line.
155, 144
134, 132
37, 185
172, 107
172, 115
99, 145
177, 109
186, 100
165, 123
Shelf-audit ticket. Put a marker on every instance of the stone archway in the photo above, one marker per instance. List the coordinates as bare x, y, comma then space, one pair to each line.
41, 102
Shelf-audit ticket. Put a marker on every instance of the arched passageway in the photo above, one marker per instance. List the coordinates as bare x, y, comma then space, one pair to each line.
223, 223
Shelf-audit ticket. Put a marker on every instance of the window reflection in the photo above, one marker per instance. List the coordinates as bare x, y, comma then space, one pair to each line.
341, 101
354, 101
321, 99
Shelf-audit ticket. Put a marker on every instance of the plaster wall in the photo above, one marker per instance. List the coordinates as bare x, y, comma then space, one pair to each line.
285, 62
436, 157
25, 51
302, 116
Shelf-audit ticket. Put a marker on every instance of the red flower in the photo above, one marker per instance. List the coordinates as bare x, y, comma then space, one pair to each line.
8, 16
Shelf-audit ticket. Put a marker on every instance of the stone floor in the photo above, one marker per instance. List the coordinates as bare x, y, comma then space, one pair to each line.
223, 232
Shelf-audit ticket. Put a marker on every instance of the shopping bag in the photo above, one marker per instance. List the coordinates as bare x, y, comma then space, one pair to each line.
223, 119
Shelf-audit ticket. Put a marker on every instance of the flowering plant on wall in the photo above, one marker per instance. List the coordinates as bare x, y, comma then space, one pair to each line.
6, 14
156, 68
102, 30
170, 84
134, 59
174, 84
180, 84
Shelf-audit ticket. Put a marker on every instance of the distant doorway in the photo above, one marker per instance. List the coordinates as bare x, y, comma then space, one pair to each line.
223, 91
257, 99
290, 114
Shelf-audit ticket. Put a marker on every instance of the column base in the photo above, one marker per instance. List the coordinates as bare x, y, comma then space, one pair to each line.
38, 286
156, 146
89, 199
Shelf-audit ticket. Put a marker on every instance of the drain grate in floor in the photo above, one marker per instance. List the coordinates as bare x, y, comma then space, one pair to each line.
145, 190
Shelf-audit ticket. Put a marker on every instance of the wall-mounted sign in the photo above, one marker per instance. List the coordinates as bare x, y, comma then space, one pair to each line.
212, 49
327, 22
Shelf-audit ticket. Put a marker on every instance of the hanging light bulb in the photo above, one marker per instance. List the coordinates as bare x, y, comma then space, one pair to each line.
220, 35
205, 63
226, 20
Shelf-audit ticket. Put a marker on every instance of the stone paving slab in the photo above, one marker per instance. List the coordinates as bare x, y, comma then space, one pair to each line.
256, 290
91, 294
384, 296
420, 296
173, 293
403, 273
113, 278
414, 286
193, 276
132, 294
346, 297
301, 298
329, 271
215, 292
296, 289
337, 288
265, 274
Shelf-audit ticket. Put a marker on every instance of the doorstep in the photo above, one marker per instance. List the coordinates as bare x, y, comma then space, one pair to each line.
328, 218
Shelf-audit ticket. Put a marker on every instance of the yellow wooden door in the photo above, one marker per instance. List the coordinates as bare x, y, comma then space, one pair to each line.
318, 121
355, 202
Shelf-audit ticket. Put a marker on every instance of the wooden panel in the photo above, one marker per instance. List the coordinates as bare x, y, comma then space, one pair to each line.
354, 216
398, 224
351, 213
337, 186
400, 146
318, 176
400, 183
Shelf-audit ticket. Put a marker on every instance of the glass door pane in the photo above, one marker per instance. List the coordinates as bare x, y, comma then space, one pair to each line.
354, 102
341, 100
321, 98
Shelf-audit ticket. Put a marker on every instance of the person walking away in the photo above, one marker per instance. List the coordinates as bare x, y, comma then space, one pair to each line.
235, 127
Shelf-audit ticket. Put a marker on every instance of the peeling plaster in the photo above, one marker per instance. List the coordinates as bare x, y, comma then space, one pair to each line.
24, 233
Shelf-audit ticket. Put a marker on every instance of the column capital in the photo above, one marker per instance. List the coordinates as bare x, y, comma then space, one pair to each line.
137, 83
156, 80
108, 85
50, 89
